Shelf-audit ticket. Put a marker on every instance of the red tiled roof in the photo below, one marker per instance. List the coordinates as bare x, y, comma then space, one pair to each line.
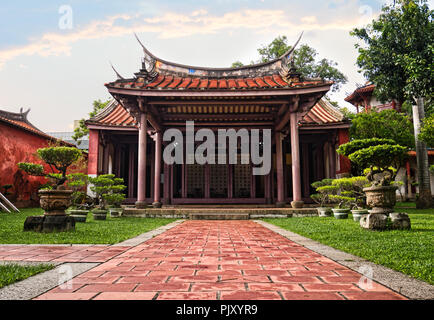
19, 120
323, 113
116, 115
168, 82
360, 91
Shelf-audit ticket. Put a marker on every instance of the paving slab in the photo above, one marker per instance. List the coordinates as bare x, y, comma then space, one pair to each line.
229, 259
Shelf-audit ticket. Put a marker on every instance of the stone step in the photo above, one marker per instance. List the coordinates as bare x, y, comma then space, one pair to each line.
218, 216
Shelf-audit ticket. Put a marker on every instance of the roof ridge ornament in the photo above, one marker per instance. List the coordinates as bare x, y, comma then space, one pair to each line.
117, 73
288, 70
149, 65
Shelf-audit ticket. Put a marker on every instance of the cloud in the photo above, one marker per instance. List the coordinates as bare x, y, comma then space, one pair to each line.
175, 25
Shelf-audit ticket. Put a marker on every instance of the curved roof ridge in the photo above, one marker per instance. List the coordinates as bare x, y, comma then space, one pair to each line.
325, 104
177, 68
106, 111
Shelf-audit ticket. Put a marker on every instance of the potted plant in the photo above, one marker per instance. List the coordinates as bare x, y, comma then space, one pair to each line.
352, 188
79, 199
115, 197
107, 189
382, 159
324, 189
343, 205
54, 199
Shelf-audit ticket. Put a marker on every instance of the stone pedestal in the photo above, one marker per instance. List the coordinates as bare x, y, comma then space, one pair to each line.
381, 199
140, 205
374, 221
156, 204
297, 204
400, 221
53, 223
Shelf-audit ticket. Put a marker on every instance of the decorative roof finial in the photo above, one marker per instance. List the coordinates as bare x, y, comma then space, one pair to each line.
117, 73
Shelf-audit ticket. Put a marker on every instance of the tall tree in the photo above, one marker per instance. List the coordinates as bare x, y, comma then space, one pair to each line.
82, 130
398, 57
305, 59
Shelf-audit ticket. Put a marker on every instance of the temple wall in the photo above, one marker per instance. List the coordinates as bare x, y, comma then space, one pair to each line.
20, 146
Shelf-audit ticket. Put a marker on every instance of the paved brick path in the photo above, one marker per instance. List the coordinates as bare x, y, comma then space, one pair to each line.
237, 260
59, 253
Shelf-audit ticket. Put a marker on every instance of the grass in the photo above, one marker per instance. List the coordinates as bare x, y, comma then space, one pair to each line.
111, 231
10, 273
410, 252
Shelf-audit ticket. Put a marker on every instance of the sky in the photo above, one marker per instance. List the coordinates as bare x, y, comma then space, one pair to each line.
55, 56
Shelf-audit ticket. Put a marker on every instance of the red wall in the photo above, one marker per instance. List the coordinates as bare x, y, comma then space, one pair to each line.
16, 146
345, 164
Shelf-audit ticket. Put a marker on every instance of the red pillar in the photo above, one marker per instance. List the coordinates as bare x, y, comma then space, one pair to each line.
157, 170
279, 170
295, 153
92, 166
141, 185
344, 162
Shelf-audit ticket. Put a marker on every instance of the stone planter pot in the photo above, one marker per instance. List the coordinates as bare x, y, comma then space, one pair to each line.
79, 215
324, 212
116, 212
358, 214
341, 213
55, 219
99, 214
55, 202
381, 199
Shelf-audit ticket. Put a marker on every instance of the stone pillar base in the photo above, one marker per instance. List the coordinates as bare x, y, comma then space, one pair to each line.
141, 205
156, 204
49, 224
297, 204
374, 221
280, 204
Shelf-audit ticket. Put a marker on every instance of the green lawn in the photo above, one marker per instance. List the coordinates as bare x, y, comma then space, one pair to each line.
111, 231
410, 252
10, 273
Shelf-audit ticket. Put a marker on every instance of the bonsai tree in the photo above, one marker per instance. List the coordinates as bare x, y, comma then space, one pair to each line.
115, 197
350, 191
379, 155
78, 183
107, 189
59, 158
323, 188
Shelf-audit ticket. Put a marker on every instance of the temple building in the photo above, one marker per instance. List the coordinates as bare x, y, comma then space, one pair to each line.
126, 137
364, 100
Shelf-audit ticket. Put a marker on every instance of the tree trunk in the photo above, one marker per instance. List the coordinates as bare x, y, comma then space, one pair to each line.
424, 200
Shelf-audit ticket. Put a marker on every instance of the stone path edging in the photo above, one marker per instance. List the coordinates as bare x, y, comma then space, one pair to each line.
40, 283
397, 281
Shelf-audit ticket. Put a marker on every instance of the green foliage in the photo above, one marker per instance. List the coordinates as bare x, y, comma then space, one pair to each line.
59, 158
324, 189
32, 168
78, 182
399, 51
381, 156
237, 64
352, 187
355, 145
305, 59
6, 187
105, 186
114, 199
387, 124
427, 131
342, 200
82, 129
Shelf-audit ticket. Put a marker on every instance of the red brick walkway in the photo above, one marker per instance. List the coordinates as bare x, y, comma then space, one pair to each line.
60, 253
211, 260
